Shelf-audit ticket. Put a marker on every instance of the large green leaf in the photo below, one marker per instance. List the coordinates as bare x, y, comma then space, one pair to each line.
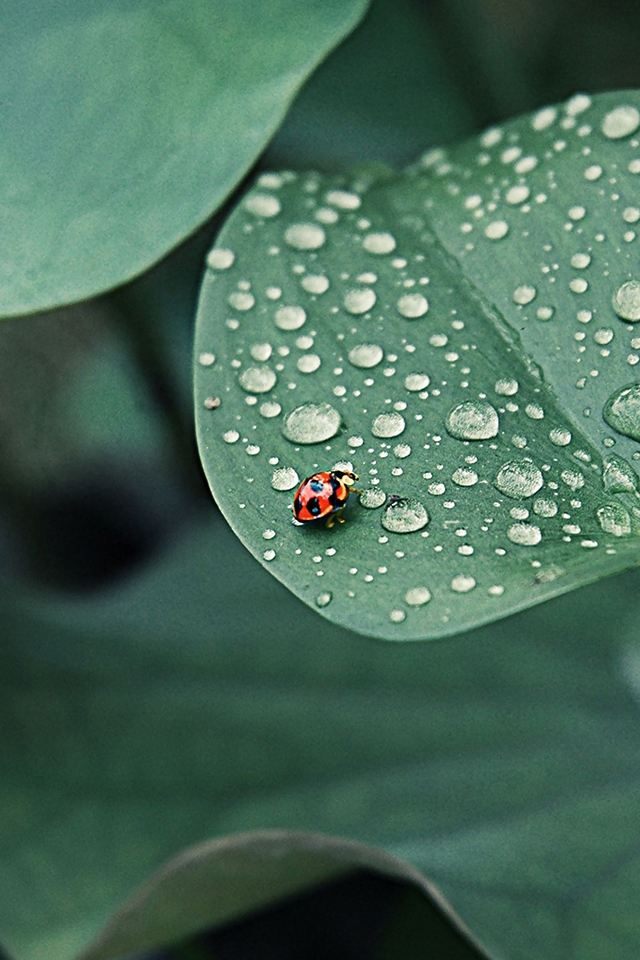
454, 333
202, 699
125, 125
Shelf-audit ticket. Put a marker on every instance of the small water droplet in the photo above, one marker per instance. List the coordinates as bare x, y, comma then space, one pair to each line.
404, 515
379, 243
388, 425
270, 409
365, 355
397, 616
517, 194
206, 359
619, 476
240, 300
323, 599
518, 479
524, 534
262, 205
257, 379
524, 294
372, 497
305, 236
496, 230
622, 411
615, 519
465, 477
573, 479
284, 478
462, 583
308, 363
268, 534
269, 555
359, 301
506, 388
621, 122
417, 596
290, 318
545, 508
220, 259
311, 423
560, 437
626, 301
343, 199
402, 450
417, 381
413, 305
231, 436
473, 420
315, 283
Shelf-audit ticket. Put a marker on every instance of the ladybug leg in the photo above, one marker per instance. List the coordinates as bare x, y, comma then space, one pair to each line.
331, 519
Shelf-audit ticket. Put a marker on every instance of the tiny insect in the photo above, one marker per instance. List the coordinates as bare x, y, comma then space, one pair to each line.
324, 495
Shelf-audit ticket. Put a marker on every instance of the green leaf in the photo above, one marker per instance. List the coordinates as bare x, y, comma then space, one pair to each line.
201, 699
126, 125
224, 880
461, 336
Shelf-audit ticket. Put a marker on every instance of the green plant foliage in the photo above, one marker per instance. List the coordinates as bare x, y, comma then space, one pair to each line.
125, 125
462, 337
201, 699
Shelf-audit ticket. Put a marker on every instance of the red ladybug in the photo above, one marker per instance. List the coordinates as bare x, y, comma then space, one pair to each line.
324, 495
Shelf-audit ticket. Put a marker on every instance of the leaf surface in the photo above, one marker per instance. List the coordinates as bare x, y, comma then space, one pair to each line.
461, 336
126, 125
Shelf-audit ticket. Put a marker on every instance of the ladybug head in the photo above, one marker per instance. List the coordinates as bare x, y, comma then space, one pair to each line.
346, 476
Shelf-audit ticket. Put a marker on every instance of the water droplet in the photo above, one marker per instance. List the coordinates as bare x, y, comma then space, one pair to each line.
517, 194
308, 363
615, 519
241, 300
524, 534
404, 515
344, 199
622, 411
518, 479
580, 261
621, 122
496, 230
269, 555
619, 476
417, 381
524, 294
220, 259
544, 118
506, 388
372, 497
473, 420
545, 508
402, 450
268, 534
323, 599
462, 583
397, 616
534, 411
626, 301
573, 479
290, 318
379, 243
231, 436
311, 423
262, 204
359, 301
365, 355
206, 359
315, 283
257, 379
465, 477
560, 437
284, 478
413, 305
417, 596
305, 236
388, 425
212, 403
270, 409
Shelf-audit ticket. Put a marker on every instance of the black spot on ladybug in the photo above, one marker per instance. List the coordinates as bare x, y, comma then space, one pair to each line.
313, 506
317, 486
297, 505
334, 499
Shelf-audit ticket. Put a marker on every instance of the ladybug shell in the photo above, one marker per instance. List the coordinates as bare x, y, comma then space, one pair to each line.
318, 496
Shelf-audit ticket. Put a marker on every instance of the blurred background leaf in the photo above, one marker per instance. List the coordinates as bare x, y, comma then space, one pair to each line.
126, 125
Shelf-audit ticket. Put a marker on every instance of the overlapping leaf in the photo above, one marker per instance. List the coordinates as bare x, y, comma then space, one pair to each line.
454, 334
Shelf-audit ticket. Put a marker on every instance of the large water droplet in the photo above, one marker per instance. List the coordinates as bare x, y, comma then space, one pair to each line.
413, 305
404, 515
388, 425
305, 236
615, 519
372, 498
417, 596
311, 423
619, 476
366, 355
257, 379
473, 420
524, 534
284, 478
560, 437
626, 301
359, 300
622, 411
518, 479
379, 243
290, 318
621, 122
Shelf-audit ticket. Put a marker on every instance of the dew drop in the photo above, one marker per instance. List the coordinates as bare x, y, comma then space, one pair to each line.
343, 199
465, 477
496, 230
506, 388
311, 423
417, 596
269, 555
359, 301
472, 420
417, 381
388, 425
257, 379
615, 519
284, 478
518, 479
220, 259
324, 599
626, 301
270, 409
621, 122
622, 411
402, 450
404, 515
560, 437
379, 243
365, 355
308, 363
290, 318
573, 479
544, 118
462, 583
413, 305
305, 236
372, 498
524, 294
315, 283
517, 194
231, 436
524, 534
545, 508
619, 476
262, 205
397, 616
241, 300
206, 359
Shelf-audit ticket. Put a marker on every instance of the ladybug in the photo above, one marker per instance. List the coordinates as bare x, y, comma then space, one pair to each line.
324, 495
